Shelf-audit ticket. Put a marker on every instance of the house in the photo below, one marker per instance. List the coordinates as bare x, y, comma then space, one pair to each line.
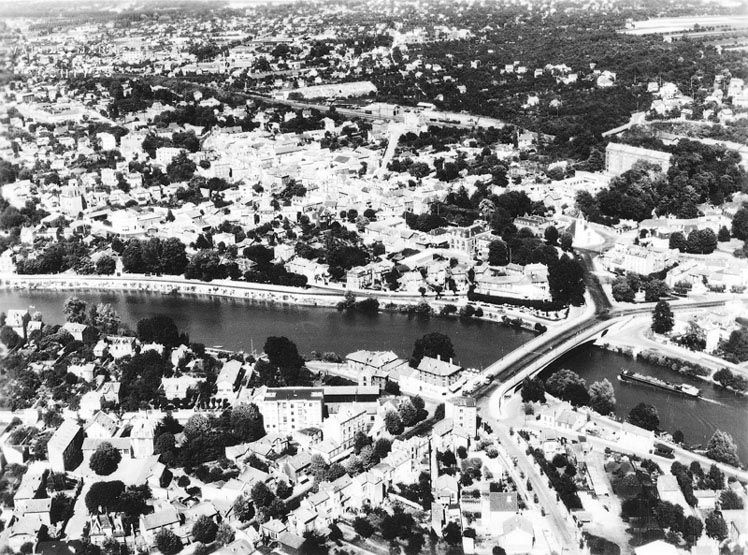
294, 466
446, 489
343, 426
81, 332
151, 524
102, 426
372, 367
65, 447
464, 413
669, 490
105, 526
432, 378
120, 346
517, 535
228, 379
497, 508
84, 371
24, 530
272, 529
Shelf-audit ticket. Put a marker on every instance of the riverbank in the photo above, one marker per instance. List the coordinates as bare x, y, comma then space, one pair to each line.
314, 296
633, 338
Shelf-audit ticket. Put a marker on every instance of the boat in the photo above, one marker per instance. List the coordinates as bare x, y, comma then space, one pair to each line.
682, 389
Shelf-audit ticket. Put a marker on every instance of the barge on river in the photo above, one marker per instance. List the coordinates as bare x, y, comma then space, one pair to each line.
681, 389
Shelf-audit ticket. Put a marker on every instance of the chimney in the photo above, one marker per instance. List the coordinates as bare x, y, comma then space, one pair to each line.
451, 360
438, 357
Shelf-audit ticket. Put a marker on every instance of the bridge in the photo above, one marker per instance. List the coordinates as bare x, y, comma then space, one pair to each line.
510, 371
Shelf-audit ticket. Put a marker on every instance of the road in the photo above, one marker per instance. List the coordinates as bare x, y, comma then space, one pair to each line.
565, 528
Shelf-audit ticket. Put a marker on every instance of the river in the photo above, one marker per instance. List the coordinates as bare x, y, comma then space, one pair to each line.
239, 325
696, 418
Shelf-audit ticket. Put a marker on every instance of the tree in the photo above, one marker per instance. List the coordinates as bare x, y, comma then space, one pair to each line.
246, 421
566, 241
498, 253
722, 448
433, 345
662, 317
602, 396
382, 447
715, 525
451, 533
622, 291
75, 310
569, 386
724, 235
243, 508
678, 241
61, 508
735, 349
10, 338
645, 416
654, 289
566, 281
692, 529
533, 390
314, 543
701, 241
104, 496
181, 168
363, 527
551, 235
730, 501
105, 265
261, 495
168, 542
205, 529
173, 257
105, 319
407, 412
105, 459
160, 329
393, 423
740, 223
283, 354
283, 490
225, 534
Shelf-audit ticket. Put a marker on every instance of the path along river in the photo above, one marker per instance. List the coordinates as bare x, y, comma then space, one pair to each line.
238, 324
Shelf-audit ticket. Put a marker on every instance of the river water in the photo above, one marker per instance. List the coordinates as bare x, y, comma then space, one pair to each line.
241, 325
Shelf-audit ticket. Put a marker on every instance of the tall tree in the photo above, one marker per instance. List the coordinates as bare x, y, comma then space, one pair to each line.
75, 310
662, 317
432, 345
602, 396
722, 448
566, 281
645, 416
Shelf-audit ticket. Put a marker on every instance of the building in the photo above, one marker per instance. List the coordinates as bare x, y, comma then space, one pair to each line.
228, 379
343, 426
434, 378
141, 437
65, 447
620, 158
286, 409
464, 413
372, 367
